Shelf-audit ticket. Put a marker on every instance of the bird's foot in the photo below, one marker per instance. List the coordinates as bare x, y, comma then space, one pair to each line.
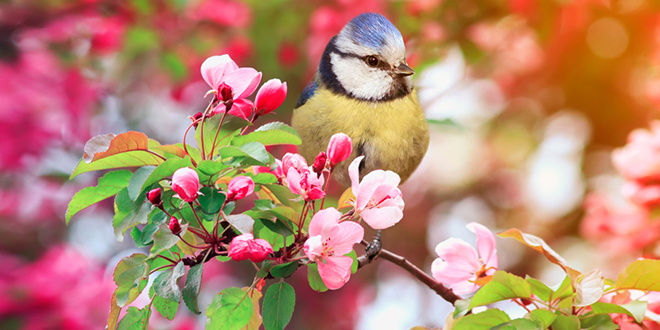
373, 249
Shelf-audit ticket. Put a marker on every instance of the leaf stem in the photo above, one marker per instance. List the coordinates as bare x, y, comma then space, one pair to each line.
201, 134
199, 221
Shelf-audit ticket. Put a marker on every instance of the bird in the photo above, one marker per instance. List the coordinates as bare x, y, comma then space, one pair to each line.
363, 88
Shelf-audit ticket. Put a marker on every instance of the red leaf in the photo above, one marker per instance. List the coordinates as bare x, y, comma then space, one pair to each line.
102, 146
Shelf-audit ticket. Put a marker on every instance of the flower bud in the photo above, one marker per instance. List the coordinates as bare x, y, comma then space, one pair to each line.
245, 247
340, 148
319, 162
293, 160
270, 96
175, 226
225, 92
185, 182
195, 119
154, 196
239, 187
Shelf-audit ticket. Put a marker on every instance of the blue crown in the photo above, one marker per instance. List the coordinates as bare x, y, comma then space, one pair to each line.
372, 30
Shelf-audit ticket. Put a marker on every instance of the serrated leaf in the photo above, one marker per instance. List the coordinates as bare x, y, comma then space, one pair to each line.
212, 200
252, 150
566, 322
521, 324
598, 322
113, 317
539, 289
540, 245
242, 222
484, 320
284, 270
270, 134
166, 284
130, 276
589, 288
191, 288
263, 204
129, 213
229, 310
191, 239
169, 151
640, 275
108, 185
209, 170
138, 179
315, 281
635, 309
545, 316
163, 239
283, 195
502, 286
165, 307
165, 170
135, 319
279, 302
103, 146
255, 320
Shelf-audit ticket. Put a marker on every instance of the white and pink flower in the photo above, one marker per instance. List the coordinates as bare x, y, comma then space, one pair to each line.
246, 247
185, 182
328, 243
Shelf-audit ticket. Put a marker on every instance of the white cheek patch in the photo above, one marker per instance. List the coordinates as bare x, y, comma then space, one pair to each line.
359, 79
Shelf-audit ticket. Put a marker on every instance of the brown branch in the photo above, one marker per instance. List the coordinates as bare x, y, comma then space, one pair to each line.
441, 290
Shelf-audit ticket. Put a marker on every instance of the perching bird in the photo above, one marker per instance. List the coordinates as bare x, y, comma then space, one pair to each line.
363, 88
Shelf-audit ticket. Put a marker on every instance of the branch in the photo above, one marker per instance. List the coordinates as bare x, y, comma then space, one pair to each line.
441, 290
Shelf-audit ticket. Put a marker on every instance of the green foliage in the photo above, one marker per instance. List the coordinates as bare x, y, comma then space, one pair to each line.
484, 320
129, 213
640, 275
566, 322
635, 309
165, 307
315, 281
109, 185
270, 134
279, 302
229, 310
284, 270
137, 181
190, 290
162, 171
539, 289
544, 316
135, 319
254, 151
212, 200
166, 284
130, 276
163, 239
502, 286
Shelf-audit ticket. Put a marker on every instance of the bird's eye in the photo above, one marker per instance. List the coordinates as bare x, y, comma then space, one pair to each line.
372, 61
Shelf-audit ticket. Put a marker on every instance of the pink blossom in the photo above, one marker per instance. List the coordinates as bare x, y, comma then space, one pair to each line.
319, 162
460, 266
293, 160
305, 183
185, 182
640, 158
175, 226
245, 247
154, 196
270, 96
377, 199
643, 195
340, 148
222, 69
328, 243
239, 187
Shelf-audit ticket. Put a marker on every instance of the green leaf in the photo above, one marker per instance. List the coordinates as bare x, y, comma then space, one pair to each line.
564, 322
521, 324
140, 40
284, 270
210, 128
137, 180
135, 319
354, 265
230, 309
315, 281
131, 276
241, 222
191, 288
276, 226
174, 66
166, 284
635, 309
270, 134
279, 302
640, 275
502, 286
545, 316
564, 291
484, 320
462, 306
163, 239
252, 150
284, 196
165, 170
589, 288
539, 289
263, 178
263, 204
598, 322
129, 213
156, 218
212, 200
209, 170
165, 307
109, 185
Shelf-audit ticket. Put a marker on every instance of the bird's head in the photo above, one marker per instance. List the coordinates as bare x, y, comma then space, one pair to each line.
367, 60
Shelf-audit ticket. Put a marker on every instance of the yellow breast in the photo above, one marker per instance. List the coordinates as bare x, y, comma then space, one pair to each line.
392, 135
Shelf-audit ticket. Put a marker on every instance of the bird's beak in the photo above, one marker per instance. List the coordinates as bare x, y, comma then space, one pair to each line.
404, 70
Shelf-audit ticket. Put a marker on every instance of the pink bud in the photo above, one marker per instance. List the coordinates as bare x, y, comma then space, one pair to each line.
293, 160
340, 148
270, 96
245, 247
225, 92
185, 182
195, 119
154, 196
175, 226
319, 162
239, 187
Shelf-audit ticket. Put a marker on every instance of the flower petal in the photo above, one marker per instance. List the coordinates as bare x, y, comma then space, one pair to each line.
464, 287
349, 233
382, 217
485, 243
368, 186
445, 274
293, 181
354, 173
390, 183
215, 68
244, 81
336, 271
460, 255
242, 108
313, 247
325, 223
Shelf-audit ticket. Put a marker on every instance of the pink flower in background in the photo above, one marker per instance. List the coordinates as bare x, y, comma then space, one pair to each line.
245, 247
217, 70
223, 12
377, 199
340, 148
305, 183
460, 266
185, 182
328, 243
640, 158
293, 160
239, 187
270, 96
642, 195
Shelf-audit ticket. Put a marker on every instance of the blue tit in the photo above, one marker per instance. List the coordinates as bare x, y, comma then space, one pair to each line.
363, 88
